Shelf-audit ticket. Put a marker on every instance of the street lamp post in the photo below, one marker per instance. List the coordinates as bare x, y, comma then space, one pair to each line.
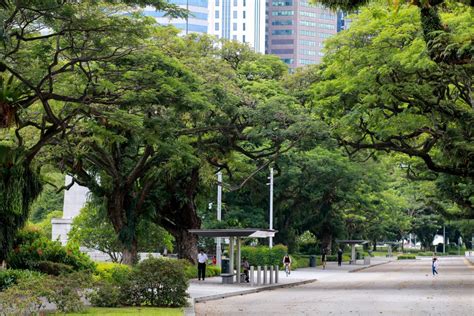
219, 209
270, 239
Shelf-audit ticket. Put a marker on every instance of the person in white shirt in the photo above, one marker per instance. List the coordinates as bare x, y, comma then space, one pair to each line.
202, 260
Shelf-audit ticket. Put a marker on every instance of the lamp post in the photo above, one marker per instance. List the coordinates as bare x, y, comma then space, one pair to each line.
270, 239
219, 209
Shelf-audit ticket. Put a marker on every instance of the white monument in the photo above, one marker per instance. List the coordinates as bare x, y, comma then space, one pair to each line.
74, 200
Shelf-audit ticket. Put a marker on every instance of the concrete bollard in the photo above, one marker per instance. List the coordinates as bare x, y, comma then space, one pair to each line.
277, 268
252, 281
259, 275
264, 274
271, 274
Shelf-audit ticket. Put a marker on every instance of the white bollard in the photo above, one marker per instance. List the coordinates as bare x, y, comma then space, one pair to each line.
271, 274
276, 273
259, 275
251, 276
264, 274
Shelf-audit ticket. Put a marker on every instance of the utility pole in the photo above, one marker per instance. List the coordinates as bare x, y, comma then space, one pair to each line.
444, 239
219, 209
270, 239
187, 14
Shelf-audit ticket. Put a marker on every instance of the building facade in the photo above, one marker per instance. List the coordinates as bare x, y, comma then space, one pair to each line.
239, 20
197, 21
296, 31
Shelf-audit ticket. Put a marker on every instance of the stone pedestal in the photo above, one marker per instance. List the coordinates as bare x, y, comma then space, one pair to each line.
74, 200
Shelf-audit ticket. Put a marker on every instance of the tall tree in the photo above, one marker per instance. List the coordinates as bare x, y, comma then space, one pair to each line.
380, 91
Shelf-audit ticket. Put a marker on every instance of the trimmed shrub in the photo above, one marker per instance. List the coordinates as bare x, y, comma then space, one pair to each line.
111, 272
406, 256
66, 291
23, 298
262, 255
105, 294
34, 251
156, 282
11, 277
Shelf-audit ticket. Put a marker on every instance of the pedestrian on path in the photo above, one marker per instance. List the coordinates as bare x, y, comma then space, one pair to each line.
434, 266
202, 260
246, 268
339, 257
323, 258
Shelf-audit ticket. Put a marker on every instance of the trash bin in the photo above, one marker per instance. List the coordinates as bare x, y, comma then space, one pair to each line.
312, 261
225, 266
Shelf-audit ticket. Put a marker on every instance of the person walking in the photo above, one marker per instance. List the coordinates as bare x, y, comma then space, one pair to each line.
434, 266
323, 258
246, 268
339, 257
202, 260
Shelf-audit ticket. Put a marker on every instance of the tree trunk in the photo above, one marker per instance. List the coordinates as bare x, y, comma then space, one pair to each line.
326, 242
178, 214
374, 247
186, 245
130, 253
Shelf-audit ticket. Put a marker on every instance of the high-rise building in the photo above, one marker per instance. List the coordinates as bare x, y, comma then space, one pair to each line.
197, 21
239, 20
296, 31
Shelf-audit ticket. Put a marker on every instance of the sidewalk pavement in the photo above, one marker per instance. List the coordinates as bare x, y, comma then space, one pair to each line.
212, 288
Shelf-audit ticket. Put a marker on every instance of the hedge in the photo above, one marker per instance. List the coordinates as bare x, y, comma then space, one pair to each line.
10, 277
406, 256
262, 255
34, 251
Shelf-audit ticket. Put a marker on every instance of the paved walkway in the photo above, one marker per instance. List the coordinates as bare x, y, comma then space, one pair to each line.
212, 288
397, 288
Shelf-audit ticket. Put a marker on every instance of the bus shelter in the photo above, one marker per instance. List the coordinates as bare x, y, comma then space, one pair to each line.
353, 243
235, 236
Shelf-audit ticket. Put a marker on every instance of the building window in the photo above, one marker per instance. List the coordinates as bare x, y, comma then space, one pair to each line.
243, 38
243, 27
234, 37
283, 51
307, 33
243, 14
245, 3
217, 14
235, 3
282, 42
217, 3
234, 27
307, 62
307, 23
283, 13
324, 35
235, 14
282, 22
282, 3
216, 26
307, 43
308, 52
282, 32
288, 61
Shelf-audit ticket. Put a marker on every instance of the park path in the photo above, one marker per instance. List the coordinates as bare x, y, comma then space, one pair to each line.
396, 288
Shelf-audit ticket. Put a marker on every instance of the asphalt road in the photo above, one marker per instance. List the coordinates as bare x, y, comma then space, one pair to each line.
397, 288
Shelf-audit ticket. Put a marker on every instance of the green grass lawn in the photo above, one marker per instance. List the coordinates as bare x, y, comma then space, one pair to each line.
150, 311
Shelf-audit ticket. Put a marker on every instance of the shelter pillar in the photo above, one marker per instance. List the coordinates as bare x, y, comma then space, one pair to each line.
353, 253
239, 259
231, 254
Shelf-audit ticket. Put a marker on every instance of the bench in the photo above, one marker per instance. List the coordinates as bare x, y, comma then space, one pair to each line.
227, 278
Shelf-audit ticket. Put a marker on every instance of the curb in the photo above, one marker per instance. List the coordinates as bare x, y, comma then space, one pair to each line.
189, 311
251, 291
370, 266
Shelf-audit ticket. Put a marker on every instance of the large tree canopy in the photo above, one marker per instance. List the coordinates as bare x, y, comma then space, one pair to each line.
381, 91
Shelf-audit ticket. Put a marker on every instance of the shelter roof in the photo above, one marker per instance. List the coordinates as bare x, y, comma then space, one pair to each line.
352, 241
235, 232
